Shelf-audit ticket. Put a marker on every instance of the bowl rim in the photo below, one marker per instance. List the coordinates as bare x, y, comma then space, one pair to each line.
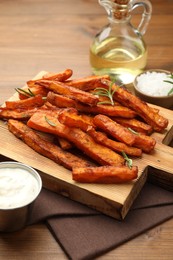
150, 96
32, 171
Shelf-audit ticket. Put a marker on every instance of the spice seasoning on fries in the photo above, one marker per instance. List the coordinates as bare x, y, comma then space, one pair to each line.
109, 129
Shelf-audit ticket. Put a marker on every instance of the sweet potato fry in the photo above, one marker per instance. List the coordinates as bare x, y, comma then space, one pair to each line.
116, 130
158, 122
20, 114
105, 174
60, 76
27, 92
64, 144
117, 111
49, 106
45, 148
87, 83
47, 121
59, 100
97, 152
63, 89
88, 119
83, 122
36, 101
101, 138
144, 142
136, 125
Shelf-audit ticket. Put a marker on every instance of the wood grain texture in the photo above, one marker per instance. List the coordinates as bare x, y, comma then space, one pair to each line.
52, 37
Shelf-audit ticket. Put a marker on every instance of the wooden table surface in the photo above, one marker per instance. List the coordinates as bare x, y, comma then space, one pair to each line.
53, 35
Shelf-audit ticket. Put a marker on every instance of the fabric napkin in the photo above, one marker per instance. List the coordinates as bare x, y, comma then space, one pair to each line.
84, 233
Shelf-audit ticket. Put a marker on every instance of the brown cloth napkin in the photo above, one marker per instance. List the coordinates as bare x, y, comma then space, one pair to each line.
84, 233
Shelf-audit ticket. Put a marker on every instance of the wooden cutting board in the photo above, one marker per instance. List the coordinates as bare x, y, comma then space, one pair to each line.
111, 199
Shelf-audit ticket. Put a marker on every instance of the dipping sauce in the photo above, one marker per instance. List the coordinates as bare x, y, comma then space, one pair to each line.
18, 186
153, 83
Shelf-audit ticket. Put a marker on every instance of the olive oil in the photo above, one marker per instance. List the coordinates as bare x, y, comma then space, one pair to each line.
120, 57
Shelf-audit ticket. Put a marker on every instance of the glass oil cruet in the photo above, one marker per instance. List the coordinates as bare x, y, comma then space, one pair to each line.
119, 49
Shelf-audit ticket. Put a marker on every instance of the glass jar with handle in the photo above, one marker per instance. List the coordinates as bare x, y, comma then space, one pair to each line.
119, 48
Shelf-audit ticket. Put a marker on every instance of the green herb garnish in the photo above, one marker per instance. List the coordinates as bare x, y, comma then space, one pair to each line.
27, 93
133, 131
128, 160
171, 82
109, 93
170, 91
49, 121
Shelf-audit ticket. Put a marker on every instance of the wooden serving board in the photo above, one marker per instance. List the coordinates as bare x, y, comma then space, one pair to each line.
111, 199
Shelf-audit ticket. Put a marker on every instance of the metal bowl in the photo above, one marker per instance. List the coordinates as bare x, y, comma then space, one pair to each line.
15, 216
163, 101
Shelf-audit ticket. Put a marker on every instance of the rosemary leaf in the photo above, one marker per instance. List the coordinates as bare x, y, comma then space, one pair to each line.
26, 93
133, 131
109, 93
104, 103
170, 91
31, 93
101, 91
127, 159
49, 121
114, 91
21, 91
168, 81
171, 82
106, 93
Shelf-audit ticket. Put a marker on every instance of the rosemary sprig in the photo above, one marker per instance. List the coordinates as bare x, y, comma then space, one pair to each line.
128, 160
133, 131
49, 121
170, 91
109, 93
25, 92
171, 82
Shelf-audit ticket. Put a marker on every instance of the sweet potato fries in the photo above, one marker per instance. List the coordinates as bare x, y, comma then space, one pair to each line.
48, 149
84, 122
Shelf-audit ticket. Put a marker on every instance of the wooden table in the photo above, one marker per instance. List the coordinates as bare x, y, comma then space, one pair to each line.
53, 35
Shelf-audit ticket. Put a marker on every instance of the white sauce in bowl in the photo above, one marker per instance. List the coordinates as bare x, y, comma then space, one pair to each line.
18, 187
